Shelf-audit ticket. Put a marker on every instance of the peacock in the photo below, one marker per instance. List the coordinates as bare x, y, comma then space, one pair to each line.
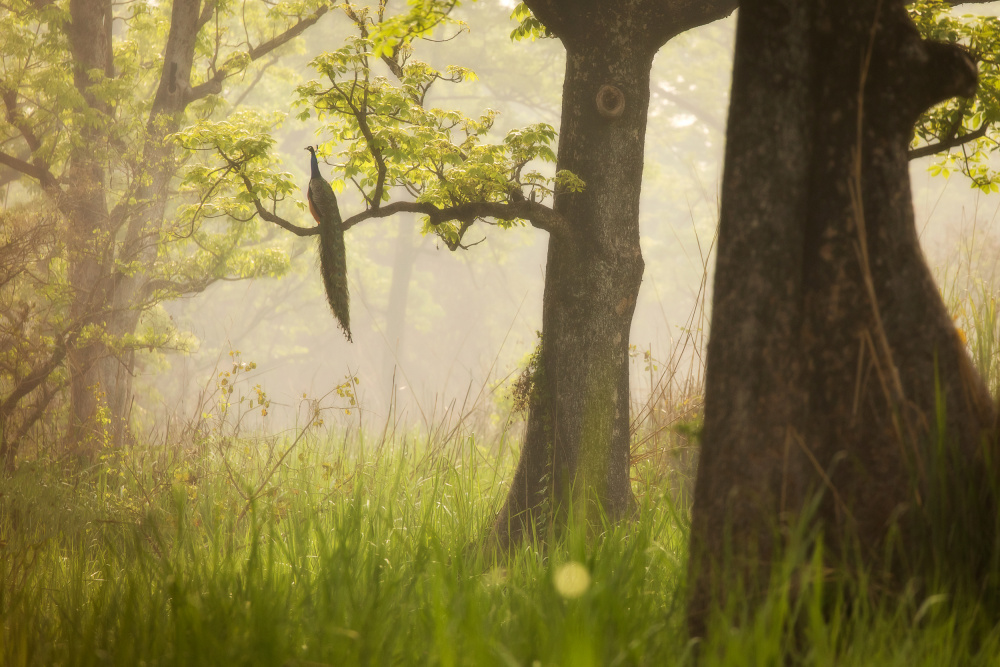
332, 255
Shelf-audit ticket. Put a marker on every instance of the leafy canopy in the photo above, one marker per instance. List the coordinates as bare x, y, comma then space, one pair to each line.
373, 100
967, 129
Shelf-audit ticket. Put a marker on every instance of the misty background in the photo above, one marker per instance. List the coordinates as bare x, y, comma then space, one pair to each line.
440, 333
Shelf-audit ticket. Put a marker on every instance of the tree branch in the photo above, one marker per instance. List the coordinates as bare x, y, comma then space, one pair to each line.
29, 420
666, 20
36, 169
214, 84
653, 22
36, 377
207, 10
16, 118
186, 288
288, 35
556, 15
361, 115
256, 80
271, 217
948, 143
40, 174
540, 216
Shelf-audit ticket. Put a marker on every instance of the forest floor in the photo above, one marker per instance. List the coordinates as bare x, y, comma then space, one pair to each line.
317, 548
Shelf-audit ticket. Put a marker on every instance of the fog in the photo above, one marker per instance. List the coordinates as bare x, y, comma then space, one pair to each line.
437, 331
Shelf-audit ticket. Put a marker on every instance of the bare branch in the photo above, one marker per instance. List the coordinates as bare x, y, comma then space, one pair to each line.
669, 19
577, 22
540, 216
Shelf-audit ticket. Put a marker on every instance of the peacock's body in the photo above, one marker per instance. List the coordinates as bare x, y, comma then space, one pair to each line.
332, 255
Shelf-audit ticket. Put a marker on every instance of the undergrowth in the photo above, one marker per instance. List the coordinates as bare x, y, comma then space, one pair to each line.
348, 554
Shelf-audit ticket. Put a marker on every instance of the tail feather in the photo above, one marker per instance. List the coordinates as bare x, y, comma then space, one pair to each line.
333, 266
332, 256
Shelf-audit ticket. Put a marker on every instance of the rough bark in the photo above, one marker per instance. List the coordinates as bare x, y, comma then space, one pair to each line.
833, 371
90, 235
576, 448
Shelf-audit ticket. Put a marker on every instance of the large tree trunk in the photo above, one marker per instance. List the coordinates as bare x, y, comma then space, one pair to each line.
576, 449
110, 250
834, 370
578, 426
90, 237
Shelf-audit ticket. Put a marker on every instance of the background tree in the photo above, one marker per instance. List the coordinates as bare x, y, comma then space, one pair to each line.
834, 368
92, 140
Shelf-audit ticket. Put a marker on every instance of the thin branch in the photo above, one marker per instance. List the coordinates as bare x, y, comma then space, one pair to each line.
276, 219
540, 216
38, 168
361, 115
257, 79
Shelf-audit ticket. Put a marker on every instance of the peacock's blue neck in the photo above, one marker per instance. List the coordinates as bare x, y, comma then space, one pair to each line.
315, 163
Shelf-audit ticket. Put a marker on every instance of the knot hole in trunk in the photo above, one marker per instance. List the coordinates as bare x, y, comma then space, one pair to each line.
610, 101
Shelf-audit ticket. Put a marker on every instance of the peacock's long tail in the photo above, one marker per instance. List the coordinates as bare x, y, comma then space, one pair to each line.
333, 266
332, 256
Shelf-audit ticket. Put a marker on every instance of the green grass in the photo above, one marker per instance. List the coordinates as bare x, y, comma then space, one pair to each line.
341, 556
